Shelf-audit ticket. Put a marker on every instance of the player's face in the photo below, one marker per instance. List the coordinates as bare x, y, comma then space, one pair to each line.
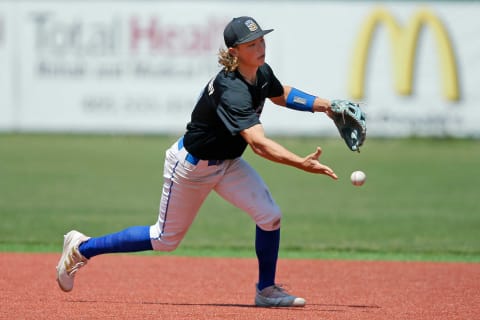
252, 53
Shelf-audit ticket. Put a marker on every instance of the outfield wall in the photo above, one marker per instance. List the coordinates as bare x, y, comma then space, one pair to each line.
138, 66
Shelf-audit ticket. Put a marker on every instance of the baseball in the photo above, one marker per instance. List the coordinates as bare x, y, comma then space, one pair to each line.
358, 178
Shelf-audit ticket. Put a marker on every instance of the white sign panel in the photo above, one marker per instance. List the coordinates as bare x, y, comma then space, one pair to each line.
139, 66
399, 47
133, 67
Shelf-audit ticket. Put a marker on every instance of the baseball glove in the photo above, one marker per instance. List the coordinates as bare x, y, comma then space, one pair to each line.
350, 121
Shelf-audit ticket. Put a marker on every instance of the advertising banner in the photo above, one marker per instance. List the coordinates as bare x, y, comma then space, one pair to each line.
127, 67
139, 66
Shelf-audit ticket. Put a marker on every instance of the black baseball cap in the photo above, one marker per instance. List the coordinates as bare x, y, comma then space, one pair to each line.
241, 30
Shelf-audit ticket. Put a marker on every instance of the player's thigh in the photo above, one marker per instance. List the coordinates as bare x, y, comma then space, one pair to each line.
242, 186
185, 188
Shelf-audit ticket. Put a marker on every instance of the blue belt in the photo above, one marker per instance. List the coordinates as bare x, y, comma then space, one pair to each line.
194, 160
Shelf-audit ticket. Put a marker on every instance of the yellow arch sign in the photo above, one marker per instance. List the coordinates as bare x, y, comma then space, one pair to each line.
404, 43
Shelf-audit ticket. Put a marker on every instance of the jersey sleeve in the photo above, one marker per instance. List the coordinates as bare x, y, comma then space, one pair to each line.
236, 111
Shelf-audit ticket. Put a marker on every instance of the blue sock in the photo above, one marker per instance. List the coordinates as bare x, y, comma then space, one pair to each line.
129, 240
267, 244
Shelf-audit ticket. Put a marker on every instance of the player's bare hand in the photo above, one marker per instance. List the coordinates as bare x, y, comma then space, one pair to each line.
313, 165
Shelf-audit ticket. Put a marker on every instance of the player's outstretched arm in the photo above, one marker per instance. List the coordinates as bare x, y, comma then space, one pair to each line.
293, 98
271, 150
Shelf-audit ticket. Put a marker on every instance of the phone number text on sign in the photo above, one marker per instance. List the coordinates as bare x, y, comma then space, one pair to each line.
136, 105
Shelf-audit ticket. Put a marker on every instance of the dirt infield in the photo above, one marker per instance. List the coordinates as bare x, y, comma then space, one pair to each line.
140, 287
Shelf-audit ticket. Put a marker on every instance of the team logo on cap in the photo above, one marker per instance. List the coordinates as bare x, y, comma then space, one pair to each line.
251, 25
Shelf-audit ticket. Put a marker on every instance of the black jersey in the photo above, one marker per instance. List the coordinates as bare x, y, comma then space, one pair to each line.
228, 105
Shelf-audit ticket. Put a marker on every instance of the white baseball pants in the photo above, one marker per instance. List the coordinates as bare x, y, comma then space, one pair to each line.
187, 185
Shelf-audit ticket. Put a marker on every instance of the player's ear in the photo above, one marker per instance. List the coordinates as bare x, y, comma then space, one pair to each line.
233, 51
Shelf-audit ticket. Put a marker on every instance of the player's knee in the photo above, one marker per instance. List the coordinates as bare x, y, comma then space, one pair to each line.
274, 225
167, 248
271, 221
164, 246
162, 241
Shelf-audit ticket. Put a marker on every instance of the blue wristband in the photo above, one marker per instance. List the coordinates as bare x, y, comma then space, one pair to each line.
299, 100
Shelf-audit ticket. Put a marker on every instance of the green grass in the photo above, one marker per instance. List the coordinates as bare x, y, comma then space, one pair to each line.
419, 201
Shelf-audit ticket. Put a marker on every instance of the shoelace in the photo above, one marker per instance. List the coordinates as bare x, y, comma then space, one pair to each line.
72, 257
279, 288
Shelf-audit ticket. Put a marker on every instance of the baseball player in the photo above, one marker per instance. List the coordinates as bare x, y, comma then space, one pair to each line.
224, 121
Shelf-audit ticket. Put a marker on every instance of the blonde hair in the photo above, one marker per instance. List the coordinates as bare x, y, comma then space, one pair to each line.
229, 62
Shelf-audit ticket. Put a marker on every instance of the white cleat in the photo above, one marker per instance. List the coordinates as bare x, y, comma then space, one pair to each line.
276, 296
71, 260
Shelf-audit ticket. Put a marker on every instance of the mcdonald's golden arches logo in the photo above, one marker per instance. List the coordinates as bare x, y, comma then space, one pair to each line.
404, 44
